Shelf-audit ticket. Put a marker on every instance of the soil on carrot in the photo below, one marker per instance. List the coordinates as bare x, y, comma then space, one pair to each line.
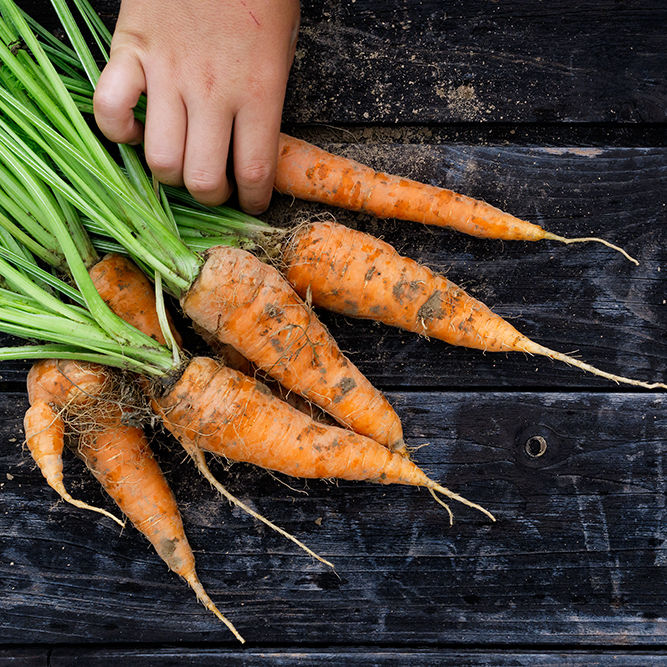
120, 392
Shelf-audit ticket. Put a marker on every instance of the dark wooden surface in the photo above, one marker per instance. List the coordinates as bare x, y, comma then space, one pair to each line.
553, 112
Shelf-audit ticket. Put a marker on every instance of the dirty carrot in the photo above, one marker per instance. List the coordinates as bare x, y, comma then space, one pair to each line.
311, 173
118, 455
130, 295
358, 275
121, 460
222, 411
248, 304
45, 437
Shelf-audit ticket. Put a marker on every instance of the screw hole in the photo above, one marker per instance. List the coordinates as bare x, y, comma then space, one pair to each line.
535, 446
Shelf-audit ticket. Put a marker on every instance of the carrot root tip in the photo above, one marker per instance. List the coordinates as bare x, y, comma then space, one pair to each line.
204, 598
455, 496
536, 348
594, 239
444, 504
60, 490
200, 461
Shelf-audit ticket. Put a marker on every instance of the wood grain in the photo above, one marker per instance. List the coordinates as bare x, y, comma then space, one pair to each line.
575, 557
387, 61
519, 104
361, 657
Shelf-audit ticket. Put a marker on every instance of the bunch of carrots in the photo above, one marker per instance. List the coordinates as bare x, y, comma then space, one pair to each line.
109, 354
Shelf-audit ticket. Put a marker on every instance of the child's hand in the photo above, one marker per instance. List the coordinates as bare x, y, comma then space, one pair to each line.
206, 65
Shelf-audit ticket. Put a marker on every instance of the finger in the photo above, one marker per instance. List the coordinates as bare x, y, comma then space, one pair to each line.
118, 90
206, 152
166, 127
256, 130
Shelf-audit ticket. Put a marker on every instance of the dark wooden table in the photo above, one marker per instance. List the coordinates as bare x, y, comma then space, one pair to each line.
555, 112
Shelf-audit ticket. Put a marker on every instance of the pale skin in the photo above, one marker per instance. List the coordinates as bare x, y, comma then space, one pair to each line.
214, 72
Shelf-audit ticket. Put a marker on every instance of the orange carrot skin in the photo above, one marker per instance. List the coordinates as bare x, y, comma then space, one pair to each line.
220, 410
358, 275
249, 305
130, 295
308, 172
64, 382
45, 437
232, 358
122, 461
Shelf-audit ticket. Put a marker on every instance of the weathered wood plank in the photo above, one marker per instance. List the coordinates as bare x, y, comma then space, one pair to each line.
24, 657
388, 61
384, 658
585, 297
369, 61
577, 555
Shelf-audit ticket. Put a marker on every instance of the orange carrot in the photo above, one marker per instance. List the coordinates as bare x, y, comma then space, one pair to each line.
121, 460
220, 410
45, 438
64, 383
308, 172
249, 305
128, 292
353, 273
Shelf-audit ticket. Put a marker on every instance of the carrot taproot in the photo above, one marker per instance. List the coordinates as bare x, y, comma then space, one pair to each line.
217, 409
311, 173
45, 437
128, 292
249, 305
358, 275
121, 460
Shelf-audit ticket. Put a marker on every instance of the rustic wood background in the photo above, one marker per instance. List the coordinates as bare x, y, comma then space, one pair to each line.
555, 112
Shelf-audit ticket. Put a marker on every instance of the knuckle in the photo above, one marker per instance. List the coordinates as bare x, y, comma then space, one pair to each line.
105, 103
204, 183
255, 173
162, 163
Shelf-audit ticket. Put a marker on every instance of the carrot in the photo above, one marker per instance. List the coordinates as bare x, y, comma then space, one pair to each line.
121, 460
130, 295
64, 383
358, 275
45, 437
308, 172
220, 410
249, 305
